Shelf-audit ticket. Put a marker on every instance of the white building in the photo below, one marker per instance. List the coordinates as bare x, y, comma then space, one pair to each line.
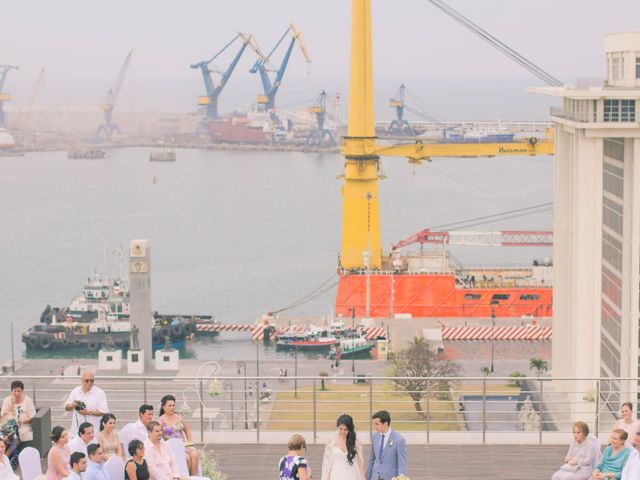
597, 223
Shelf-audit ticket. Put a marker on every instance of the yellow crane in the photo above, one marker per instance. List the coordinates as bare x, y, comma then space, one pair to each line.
361, 245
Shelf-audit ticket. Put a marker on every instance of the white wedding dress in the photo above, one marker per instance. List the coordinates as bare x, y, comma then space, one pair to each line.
335, 465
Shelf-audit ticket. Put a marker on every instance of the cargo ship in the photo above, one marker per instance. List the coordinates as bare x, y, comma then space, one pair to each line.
236, 129
430, 285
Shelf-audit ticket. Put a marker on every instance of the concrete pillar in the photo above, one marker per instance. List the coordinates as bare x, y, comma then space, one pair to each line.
141, 314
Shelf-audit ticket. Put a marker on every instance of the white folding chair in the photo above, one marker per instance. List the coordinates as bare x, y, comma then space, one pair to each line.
114, 468
178, 448
125, 438
30, 466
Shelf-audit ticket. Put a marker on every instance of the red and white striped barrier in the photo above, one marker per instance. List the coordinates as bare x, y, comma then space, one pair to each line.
257, 331
531, 332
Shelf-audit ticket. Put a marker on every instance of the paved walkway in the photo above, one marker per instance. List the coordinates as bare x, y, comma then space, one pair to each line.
450, 462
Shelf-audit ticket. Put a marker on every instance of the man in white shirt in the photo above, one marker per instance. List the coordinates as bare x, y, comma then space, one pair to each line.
78, 464
631, 470
88, 403
83, 440
138, 429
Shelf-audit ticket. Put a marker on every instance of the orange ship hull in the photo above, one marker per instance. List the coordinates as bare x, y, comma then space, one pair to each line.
436, 295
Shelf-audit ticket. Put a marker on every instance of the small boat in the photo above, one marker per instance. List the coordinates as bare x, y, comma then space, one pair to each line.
163, 156
353, 344
305, 341
86, 153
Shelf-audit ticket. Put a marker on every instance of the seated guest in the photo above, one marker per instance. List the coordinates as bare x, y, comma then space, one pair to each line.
138, 429
293, 466
174, 426
6, 470
160, 459
631, 469
613, 458
108, 437
136, 468
19, 408
58, 457
579, 458
627, 422
83, 440
95, 465
78, 464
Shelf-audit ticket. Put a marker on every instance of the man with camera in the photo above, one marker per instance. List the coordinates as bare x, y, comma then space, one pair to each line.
88, 403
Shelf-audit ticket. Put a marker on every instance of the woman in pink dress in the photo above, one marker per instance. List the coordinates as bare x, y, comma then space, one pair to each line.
174, 426
58, 458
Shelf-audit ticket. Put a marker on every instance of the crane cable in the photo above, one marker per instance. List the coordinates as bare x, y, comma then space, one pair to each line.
508, 214
315, 293
498, 44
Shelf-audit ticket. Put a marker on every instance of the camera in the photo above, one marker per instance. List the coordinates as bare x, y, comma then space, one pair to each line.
80, 405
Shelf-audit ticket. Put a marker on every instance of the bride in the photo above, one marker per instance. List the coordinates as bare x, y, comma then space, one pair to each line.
343, 458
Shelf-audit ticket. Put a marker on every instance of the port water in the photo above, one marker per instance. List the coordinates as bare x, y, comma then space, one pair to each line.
234, 234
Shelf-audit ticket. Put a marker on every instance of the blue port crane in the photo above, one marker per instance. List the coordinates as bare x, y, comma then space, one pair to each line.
4, 97
109, 103
320, 135
266, 101
210, 100
400, 125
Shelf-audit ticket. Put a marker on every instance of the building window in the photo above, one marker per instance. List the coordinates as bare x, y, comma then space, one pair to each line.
637, 67
613, 180
615, 68
614, 148
612, 215
619, 110
611, 287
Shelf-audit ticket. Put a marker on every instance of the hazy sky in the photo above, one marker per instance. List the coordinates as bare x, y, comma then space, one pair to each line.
82, 44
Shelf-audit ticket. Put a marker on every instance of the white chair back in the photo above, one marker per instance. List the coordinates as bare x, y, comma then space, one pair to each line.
30, 466
177, 447
114, 468
596, 449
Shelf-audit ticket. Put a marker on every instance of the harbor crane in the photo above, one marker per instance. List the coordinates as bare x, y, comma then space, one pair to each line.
109, 103
4, 97
361, 243
320, 135
266, 101
210, 100
24, 118
400, 125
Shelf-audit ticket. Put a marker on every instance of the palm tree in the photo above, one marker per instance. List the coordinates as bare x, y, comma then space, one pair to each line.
539, 365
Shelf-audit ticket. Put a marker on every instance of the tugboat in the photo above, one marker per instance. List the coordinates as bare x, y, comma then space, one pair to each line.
101, 316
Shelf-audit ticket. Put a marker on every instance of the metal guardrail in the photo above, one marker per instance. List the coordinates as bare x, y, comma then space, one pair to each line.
473, 408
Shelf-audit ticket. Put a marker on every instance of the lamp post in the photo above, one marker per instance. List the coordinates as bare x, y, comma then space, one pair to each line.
493, 326
353, 341
295, 372
243, 366
227, 386
257, 359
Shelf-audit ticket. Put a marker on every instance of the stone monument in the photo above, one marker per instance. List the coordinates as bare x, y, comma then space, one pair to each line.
140, 312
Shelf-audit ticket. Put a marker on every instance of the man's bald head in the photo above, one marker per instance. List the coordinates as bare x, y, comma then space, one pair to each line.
87, 379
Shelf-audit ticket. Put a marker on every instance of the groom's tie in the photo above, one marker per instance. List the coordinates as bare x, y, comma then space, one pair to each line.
381, 449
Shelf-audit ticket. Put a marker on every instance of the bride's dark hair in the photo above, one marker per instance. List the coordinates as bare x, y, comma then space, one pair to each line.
347, 421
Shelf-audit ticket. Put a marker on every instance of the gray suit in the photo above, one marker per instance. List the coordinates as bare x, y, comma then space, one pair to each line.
394, 457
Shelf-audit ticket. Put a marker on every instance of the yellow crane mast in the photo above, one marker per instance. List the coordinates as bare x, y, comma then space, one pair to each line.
361, 244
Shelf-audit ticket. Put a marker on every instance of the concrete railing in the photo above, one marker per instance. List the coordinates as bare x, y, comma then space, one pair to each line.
530, 410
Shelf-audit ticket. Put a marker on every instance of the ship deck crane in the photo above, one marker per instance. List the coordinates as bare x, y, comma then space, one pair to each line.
501, 238
320, 135
361, 243
210, 100
109, 103
267, 100
4, 97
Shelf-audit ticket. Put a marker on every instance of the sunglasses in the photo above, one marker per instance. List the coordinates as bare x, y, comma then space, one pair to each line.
90, 380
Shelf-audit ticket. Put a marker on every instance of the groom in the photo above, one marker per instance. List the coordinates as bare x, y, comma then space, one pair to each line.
388, 457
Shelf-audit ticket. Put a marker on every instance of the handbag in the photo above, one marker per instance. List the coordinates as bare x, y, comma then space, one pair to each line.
570, 468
